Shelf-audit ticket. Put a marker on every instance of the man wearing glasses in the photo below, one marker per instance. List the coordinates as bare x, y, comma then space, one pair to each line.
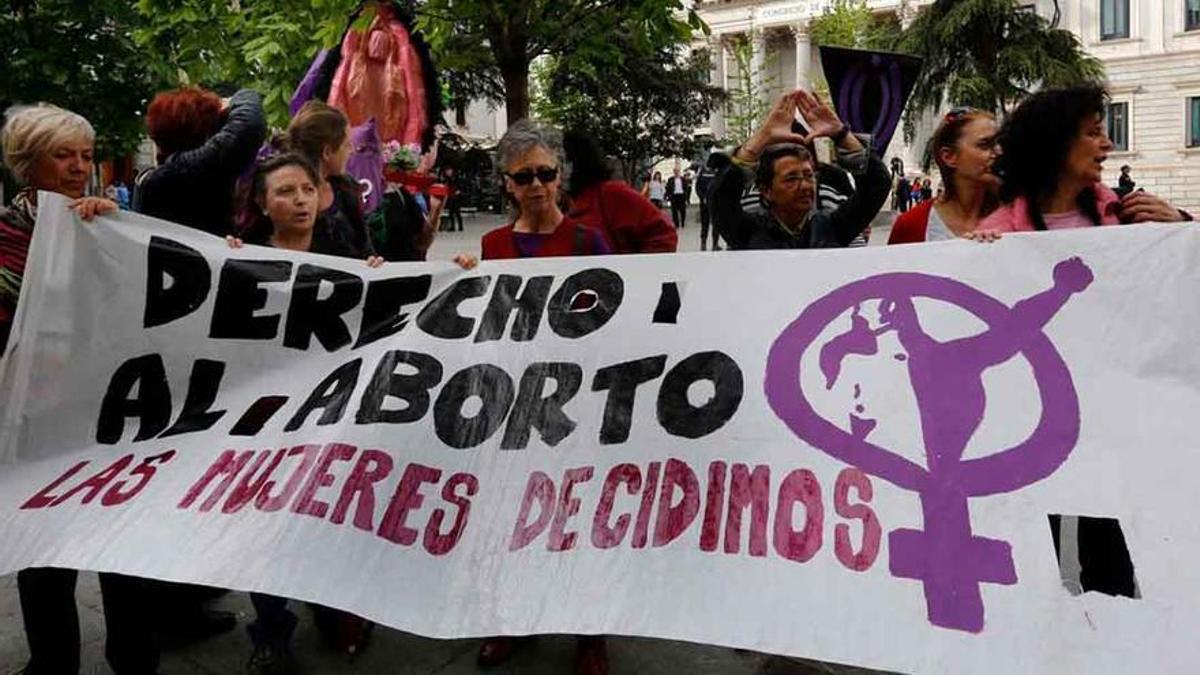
786, 176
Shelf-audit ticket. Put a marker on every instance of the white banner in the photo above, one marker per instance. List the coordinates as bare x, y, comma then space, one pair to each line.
843, 455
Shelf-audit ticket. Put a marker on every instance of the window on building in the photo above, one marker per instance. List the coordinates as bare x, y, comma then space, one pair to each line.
1114, 19
1193, 122
1117, 117
1191, 18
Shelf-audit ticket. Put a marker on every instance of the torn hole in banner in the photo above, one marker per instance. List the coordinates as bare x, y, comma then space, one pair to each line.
1093, 556
584, 301
669, 303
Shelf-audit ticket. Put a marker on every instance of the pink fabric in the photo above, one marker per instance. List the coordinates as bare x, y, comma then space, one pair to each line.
380, 76
1066, 221
1014, 217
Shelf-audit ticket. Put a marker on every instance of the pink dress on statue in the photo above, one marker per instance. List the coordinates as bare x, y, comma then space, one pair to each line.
380, 76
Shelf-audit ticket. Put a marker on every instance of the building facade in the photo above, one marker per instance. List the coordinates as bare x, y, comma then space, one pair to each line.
1151, 53
783, 56
1150, 50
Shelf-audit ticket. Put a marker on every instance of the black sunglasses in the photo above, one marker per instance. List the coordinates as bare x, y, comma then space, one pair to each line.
526, 176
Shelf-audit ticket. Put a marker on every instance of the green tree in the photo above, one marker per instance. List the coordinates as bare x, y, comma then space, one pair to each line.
642, 110
78, 55
589, 35
467, 75
226, 44
851, 23
989, 54
747, 101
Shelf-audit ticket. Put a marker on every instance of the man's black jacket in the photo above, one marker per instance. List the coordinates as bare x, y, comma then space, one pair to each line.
821, 229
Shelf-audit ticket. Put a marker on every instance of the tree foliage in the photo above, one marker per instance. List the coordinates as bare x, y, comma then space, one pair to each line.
642, 110
851, 23
989, 54
747, 103
78, 55
227, 44
501, 39
468, 74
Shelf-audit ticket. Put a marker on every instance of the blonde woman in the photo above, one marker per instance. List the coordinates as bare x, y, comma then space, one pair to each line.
51, 149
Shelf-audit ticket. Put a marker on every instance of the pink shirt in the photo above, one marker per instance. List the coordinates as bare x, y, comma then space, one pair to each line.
1014, 217
1066, 221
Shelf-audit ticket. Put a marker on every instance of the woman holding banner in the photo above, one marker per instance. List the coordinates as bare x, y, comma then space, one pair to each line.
531, 157
284, 197
1054, 146
964, 149
51, 149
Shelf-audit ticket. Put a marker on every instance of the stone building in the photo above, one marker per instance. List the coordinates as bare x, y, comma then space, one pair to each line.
1150, 49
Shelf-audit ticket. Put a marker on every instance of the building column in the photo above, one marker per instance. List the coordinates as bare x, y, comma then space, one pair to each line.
803, 56
720, 56
723, 61
758, 52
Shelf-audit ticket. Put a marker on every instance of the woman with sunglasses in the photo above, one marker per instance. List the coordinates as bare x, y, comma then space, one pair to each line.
964, 149
1053, 149
531, 157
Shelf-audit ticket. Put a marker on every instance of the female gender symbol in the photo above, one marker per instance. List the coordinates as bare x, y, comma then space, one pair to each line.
947, 380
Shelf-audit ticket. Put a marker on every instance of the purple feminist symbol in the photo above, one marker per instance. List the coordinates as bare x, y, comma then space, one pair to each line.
947, 380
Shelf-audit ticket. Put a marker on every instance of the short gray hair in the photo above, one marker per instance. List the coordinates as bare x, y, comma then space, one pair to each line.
34, 130
525, 135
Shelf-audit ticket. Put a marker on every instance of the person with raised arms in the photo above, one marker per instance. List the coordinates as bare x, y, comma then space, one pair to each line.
786, 176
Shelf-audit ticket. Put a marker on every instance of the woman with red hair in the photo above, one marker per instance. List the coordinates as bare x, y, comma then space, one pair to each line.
203, 146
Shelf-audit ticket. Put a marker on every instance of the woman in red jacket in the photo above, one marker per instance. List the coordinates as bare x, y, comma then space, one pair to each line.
964, 149
531, 156
632, 222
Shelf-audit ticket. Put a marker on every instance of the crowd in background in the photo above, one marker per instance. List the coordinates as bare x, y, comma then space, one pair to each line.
218, 172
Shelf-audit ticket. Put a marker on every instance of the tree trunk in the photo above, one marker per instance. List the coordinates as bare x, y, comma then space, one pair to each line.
460, 113
510, 49
516, 90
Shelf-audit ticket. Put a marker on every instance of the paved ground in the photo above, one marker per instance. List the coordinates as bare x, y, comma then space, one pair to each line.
393, 651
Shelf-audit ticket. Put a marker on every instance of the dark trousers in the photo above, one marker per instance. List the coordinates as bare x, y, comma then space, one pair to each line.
52, 622
705, 223
273, 621
679, 210
453, 215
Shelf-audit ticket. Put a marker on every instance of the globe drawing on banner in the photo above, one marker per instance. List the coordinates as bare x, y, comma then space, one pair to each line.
947, 382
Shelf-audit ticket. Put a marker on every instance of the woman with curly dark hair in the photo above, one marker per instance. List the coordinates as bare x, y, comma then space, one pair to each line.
1053, 149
